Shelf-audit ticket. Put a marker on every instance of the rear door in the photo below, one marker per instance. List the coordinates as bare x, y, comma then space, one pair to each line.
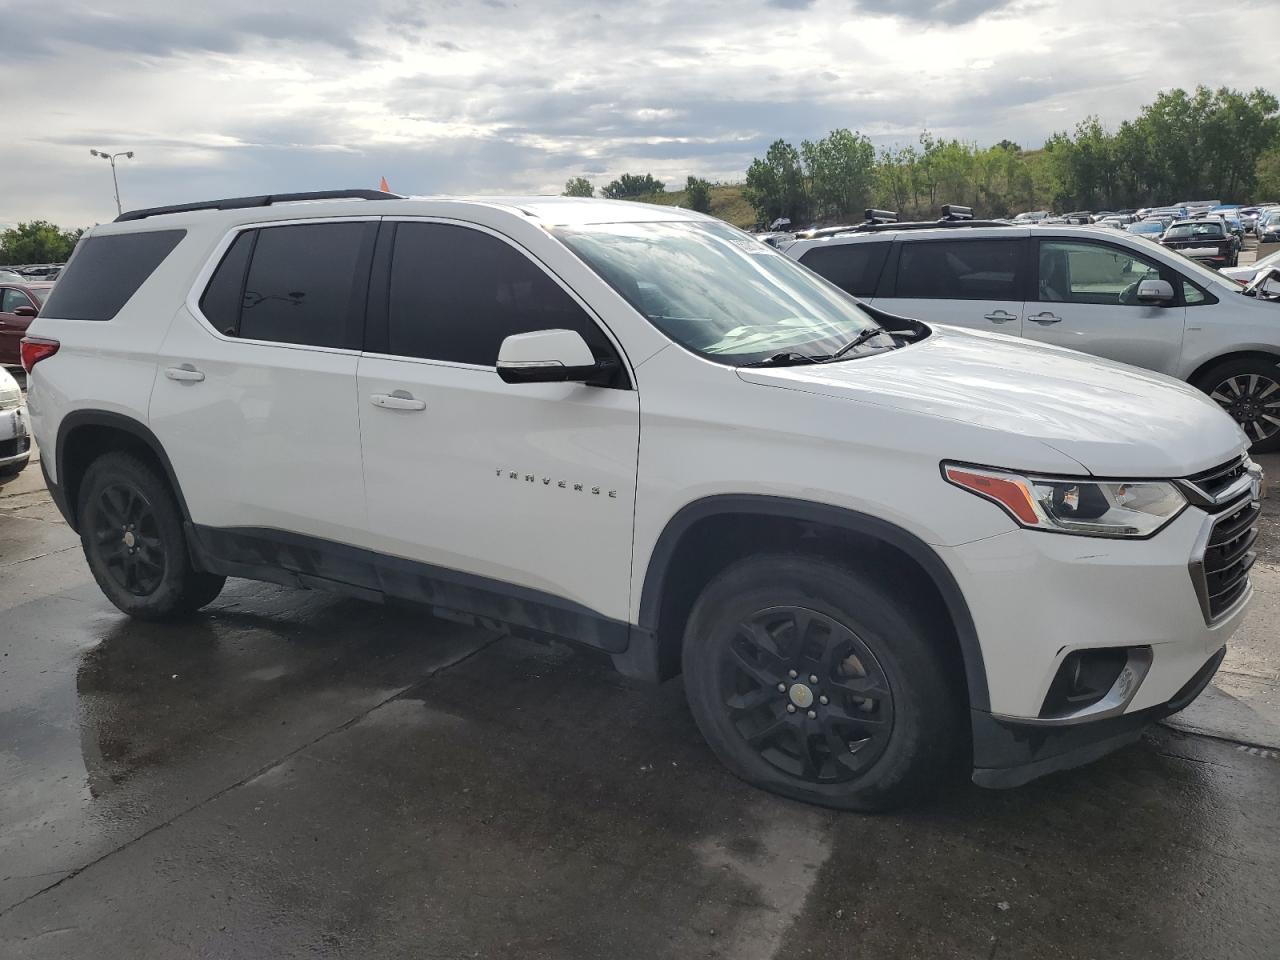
1085, 298
254, 397
966, 279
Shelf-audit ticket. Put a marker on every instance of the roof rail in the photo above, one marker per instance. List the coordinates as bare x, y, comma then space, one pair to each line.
265, 200
954, 212
880, 216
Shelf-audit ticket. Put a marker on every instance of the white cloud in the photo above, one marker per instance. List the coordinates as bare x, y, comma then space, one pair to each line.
252, 96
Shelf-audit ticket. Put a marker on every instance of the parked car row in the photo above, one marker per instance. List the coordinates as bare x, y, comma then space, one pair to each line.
1105, 292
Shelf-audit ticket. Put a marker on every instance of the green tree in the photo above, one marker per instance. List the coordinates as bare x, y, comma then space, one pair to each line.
38, 241
698, 193
775, 185
629, 186
1268, 175
841, 172
578, 187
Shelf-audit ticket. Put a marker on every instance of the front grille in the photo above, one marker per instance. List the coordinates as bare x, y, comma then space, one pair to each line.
14, 447
1221, 575
1213, 481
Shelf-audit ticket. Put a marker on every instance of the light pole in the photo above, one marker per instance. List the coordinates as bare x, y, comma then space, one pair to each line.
111, 158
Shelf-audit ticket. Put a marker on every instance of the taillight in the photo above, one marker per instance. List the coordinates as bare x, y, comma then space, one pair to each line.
35, 349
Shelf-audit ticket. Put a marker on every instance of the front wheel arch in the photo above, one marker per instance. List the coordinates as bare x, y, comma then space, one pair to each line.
673, 577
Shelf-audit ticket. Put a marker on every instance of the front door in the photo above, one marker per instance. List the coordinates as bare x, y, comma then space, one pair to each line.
1086, 299
514, 501
964, 280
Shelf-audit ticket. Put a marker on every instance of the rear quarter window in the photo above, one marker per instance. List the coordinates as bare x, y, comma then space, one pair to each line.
853, 267
104, 272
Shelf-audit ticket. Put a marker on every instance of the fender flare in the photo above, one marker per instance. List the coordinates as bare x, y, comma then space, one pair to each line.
664, 550
115, 421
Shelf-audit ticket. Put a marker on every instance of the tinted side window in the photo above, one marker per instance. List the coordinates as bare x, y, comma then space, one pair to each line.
306, 284
456, 293
853, 267
225, 293
11, 299
960, 269
105, 272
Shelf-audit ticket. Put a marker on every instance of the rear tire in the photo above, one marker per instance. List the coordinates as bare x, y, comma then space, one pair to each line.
1249, 389
132, 535
878, 720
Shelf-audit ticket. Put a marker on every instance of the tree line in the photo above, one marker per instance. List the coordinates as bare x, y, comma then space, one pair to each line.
1222, 144
37, 242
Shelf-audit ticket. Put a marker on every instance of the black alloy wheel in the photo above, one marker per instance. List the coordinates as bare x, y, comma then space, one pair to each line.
807, 694
134, 540
126, 536
1253, 399
820, 682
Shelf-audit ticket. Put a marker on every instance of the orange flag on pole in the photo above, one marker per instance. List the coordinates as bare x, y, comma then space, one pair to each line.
383, 186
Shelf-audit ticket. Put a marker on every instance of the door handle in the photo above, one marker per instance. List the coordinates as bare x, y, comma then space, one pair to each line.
400, 400
1045, 318
1000, 316
184, 374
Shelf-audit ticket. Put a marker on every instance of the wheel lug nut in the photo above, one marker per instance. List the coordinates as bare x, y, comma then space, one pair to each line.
812, 715
791, 674
791, 708
813, 678
782, 688
823, 700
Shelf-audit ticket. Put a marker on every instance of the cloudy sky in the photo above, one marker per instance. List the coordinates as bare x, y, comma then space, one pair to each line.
500, 96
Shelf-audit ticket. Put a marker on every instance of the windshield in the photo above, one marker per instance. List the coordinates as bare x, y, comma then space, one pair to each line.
40, 293
718, 291
1186, 231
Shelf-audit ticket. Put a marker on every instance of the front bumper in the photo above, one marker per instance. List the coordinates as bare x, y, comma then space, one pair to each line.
1037, 598
1007, 753
15, 437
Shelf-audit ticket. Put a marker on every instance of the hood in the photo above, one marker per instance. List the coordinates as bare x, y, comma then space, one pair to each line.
1112, 419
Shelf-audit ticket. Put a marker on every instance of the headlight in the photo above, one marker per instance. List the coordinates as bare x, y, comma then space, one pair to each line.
1091, 508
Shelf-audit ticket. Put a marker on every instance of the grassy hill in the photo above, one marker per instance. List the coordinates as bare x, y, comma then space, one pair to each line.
727, 203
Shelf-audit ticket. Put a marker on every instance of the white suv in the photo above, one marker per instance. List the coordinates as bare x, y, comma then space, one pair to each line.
1108, 293
877, 552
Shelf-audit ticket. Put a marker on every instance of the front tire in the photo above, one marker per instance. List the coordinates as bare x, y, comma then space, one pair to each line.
810, 680
132, 535
1249, 390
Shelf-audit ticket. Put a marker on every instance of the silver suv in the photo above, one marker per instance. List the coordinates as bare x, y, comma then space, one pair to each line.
1111, 294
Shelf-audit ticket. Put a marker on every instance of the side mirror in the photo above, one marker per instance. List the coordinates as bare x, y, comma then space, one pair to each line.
550, 356
1155, 291
24, 311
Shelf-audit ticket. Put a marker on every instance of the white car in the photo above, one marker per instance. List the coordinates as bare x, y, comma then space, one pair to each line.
1244, 274
15, 438
1105, 292
880, 551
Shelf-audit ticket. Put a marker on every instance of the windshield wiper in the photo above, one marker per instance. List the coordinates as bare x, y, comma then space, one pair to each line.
857, 341
788, 359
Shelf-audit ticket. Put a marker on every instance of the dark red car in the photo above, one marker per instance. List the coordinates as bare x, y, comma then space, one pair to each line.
20, 303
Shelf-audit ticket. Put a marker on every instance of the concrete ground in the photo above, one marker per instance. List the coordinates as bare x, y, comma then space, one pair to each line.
294, 774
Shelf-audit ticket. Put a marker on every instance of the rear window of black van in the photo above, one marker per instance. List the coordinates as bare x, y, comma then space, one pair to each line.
105, 272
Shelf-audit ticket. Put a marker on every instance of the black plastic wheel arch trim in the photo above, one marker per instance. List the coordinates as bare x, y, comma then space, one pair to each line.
822, 514
105, 418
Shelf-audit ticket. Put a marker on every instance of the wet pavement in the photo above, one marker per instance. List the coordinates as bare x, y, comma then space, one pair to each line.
294, 774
